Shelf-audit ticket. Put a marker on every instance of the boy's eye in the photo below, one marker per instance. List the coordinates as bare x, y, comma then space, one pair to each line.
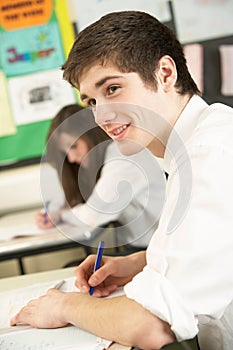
112, 89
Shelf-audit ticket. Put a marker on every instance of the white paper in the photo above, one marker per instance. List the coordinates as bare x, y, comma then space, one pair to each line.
226, 59
12, 301
20, 224
194, 56
198, 20
23, 224
39, 96
50, 339
88, 11
7, 233
28, 338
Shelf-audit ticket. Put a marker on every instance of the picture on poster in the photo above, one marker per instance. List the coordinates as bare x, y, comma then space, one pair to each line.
32, 49
39, 96
86, 12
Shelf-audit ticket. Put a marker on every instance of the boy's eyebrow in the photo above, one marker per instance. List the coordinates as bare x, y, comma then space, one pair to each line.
103, 80
100, 83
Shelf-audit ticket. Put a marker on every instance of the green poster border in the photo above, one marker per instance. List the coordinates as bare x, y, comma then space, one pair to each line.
28, 142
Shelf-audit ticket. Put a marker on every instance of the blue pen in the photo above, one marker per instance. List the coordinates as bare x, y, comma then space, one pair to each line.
97, 261
46, 212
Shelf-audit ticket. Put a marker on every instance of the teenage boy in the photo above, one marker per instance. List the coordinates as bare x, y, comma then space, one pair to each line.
130, 69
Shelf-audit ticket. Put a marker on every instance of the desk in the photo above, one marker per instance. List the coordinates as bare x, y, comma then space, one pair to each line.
18, 248
25, 280
51, 241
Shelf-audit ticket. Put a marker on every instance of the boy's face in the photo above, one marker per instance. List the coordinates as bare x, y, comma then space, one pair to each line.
127, 110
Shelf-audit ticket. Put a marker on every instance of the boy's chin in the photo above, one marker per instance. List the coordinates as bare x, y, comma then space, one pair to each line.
128, 148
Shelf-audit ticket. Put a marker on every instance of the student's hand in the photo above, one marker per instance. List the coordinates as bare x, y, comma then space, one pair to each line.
42, 222
44, 312
114, 272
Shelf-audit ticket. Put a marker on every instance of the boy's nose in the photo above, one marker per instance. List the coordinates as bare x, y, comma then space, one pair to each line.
104, 114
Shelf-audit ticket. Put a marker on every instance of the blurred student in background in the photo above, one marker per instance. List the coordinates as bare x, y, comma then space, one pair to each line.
100, 184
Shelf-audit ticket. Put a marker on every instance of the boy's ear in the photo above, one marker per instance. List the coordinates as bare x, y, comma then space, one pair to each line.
166, 73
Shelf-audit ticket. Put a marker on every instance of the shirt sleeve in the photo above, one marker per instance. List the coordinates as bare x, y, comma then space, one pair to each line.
156, 293
189, 269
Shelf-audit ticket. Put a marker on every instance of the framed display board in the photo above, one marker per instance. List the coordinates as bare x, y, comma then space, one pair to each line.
35, 37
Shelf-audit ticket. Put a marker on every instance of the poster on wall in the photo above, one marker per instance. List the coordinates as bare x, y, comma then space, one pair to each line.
88, 11
39, 96
226, 59
31, 54
19, 14
35, 37
198, 20
31, 49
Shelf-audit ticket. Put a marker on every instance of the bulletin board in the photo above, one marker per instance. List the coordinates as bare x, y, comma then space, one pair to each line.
35, 38
205, 29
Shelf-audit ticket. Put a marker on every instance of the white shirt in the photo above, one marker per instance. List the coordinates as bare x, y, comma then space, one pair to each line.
130, 190
189, 271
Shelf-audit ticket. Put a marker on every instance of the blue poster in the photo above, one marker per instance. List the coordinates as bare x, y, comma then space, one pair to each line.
31, 49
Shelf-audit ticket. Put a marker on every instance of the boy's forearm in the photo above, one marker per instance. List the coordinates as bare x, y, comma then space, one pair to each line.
119, 319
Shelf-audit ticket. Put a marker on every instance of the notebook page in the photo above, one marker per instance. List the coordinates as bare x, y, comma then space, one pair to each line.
28, 338
51, 339
12, 301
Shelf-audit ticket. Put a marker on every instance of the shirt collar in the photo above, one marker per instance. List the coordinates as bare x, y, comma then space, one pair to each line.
183, 128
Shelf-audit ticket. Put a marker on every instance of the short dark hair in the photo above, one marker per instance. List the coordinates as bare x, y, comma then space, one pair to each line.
134, 41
